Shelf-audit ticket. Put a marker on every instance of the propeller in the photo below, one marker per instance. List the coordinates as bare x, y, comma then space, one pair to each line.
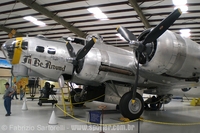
162, 27
77, 59
70, 50
126, 34
154, 34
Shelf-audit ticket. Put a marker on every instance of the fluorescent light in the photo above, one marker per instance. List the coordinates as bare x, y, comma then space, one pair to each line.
97, 13
40, 23
30, 18
94, 10
119, 35
183, 8
185, 32
34, 20
179, 2
100, 16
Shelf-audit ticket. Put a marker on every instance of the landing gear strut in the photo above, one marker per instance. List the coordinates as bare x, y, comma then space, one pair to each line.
76, 97
131, 110
153, 103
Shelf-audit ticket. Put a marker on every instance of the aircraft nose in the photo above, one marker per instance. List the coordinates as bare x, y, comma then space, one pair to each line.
8, 49
12, 50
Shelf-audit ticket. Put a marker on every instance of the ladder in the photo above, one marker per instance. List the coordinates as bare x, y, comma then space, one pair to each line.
67, 107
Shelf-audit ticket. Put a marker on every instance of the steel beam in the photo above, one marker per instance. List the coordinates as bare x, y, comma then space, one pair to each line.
8, 30
44, 11
136, 7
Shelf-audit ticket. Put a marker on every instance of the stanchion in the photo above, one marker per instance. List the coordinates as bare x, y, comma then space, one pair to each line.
139, 125
102, 107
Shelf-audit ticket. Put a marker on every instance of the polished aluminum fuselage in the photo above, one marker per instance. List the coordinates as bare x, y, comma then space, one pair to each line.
176, 59
90, 74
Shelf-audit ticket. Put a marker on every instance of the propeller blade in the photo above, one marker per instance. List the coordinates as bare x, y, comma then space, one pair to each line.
70, 50
126, 34
82, 53
162, 27
78, 40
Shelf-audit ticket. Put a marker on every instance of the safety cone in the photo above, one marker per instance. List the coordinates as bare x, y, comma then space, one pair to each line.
52, 120
24, 107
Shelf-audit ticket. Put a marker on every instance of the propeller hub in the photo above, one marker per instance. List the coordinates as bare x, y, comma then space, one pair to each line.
134, 44
77, 59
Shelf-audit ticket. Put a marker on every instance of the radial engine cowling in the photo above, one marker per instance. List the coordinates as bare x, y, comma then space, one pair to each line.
171, 54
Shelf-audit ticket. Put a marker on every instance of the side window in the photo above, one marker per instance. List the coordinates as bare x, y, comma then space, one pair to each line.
24, 45
40, 49
51, 51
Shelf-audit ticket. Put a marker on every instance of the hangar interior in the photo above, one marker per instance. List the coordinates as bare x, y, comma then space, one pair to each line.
55, 19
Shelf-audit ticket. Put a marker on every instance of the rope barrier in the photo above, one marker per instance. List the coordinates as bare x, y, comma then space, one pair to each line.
140, 119
171, 123
118, 123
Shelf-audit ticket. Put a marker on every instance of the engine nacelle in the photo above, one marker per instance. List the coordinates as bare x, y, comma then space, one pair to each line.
116, 63
174, 56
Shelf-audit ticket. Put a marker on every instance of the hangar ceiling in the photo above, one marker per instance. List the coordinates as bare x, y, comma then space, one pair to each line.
71, 18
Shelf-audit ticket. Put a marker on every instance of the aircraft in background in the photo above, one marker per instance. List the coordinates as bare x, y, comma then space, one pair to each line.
161, 61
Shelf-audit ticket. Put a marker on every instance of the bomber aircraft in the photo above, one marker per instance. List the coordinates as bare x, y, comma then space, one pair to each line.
160, 61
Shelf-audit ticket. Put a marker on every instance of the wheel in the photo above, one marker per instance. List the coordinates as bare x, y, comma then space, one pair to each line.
75, 97
129, 110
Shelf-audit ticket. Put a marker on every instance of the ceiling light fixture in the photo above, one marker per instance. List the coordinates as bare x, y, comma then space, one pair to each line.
97, 13
181, 4
35, 21
30, 18
100, 16
183, 8
185, 32
94, 10
39, 23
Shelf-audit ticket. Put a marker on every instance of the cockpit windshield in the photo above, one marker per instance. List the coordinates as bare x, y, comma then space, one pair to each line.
8, 49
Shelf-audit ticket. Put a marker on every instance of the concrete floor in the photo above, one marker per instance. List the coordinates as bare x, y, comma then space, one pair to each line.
36, 119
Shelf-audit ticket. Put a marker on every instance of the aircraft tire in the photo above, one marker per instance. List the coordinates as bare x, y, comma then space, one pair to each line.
129, 110
73, 95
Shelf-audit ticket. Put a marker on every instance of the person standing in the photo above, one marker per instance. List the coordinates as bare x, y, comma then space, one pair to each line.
7, 98
15, 93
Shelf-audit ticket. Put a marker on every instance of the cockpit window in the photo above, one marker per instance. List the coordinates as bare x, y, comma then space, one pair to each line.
40, 49
8, 48
24, 45
51, 51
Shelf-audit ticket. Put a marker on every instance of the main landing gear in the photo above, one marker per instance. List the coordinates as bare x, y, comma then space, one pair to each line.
131, 110
154, 103
76, 97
